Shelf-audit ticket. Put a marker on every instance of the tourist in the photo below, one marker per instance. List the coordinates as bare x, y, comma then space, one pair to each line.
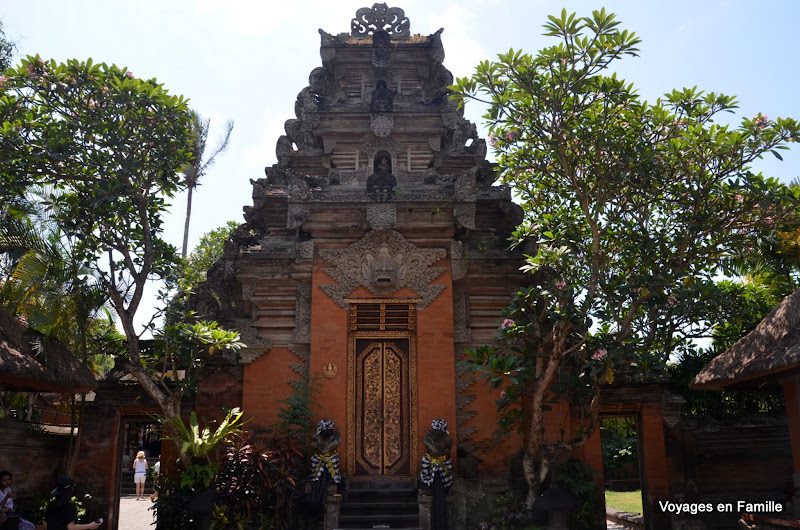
139, 474
7, 503
62, 514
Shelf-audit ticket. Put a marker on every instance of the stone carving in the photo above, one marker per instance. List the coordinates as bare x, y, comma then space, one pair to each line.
381, 49
322, 83
326, 50
383, 261
371, 147
302, 314
435, 143
329, 144
466, 189
256, 344
283, 149
436, 50
296, 214
381, 216
465, 195
382, 98
305, 250
381, 184
381, 125
459, 259
297, 188
465, 214
462, 331
380, 18
301, 135
512, 213
248, 290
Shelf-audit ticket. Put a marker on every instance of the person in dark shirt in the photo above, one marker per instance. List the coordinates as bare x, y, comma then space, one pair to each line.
62, 514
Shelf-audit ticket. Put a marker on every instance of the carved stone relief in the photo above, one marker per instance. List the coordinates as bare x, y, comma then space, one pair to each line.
248, 290
436, 51
302, 314
305, 250
381, 216
462, 332
297, 214
256, 344
383, 261
380, 17
381, 125
371, 147
512, 212
459, 259
465, 196
465, 214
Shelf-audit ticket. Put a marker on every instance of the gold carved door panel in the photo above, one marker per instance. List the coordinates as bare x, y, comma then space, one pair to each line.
382, 407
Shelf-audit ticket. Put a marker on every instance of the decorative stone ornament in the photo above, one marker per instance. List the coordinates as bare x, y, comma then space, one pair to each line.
380, 17
381, 216
329, 371
383, 261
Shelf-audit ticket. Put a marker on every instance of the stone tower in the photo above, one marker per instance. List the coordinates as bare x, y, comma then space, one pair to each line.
374, 253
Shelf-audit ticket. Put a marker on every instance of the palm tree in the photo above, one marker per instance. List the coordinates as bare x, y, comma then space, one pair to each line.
198, 167
43, 280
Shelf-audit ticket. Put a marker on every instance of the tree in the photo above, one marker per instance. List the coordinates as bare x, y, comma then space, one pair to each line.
207, 251
6, 50
631, 207
112, 146
197, 166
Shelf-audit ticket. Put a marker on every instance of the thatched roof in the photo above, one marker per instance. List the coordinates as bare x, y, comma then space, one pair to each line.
766, 354
54, 370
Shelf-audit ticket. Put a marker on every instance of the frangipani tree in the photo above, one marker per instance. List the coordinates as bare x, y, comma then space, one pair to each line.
112, 147
630, 205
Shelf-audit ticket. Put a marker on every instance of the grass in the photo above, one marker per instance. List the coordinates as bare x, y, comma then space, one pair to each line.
626, 501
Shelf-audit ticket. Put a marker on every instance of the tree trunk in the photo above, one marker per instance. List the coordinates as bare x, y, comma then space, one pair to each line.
186, 224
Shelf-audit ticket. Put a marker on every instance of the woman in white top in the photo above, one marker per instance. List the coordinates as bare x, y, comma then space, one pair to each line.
139, 474
7, 502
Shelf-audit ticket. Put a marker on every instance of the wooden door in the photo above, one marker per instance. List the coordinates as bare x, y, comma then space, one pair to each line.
382, 407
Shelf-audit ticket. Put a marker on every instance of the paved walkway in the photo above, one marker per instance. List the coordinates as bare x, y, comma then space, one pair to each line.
135, 515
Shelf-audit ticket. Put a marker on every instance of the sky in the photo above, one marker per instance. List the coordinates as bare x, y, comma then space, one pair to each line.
246, 61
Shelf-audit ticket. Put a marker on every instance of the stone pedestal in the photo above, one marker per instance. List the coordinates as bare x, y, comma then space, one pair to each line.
425, 500
332, 506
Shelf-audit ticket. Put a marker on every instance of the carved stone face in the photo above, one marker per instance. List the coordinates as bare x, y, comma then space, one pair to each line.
383, 270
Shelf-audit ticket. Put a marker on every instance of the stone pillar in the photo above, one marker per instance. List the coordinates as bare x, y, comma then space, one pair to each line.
332, 506
425, 502
656, 486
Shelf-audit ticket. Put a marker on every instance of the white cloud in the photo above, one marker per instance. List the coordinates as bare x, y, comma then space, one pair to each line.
462, 50
250, 17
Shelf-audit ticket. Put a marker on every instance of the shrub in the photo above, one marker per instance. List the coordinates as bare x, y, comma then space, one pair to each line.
259, 486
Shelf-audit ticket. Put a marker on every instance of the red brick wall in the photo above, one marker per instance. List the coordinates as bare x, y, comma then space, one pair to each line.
265, 384
329, 345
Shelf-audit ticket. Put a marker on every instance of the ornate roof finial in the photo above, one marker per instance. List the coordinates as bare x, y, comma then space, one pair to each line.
380, 17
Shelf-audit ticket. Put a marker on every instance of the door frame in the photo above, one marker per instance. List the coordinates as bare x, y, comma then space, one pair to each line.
351, 401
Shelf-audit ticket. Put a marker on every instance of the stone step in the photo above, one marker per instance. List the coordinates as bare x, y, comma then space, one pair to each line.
378, 521
380, 504
354, 485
